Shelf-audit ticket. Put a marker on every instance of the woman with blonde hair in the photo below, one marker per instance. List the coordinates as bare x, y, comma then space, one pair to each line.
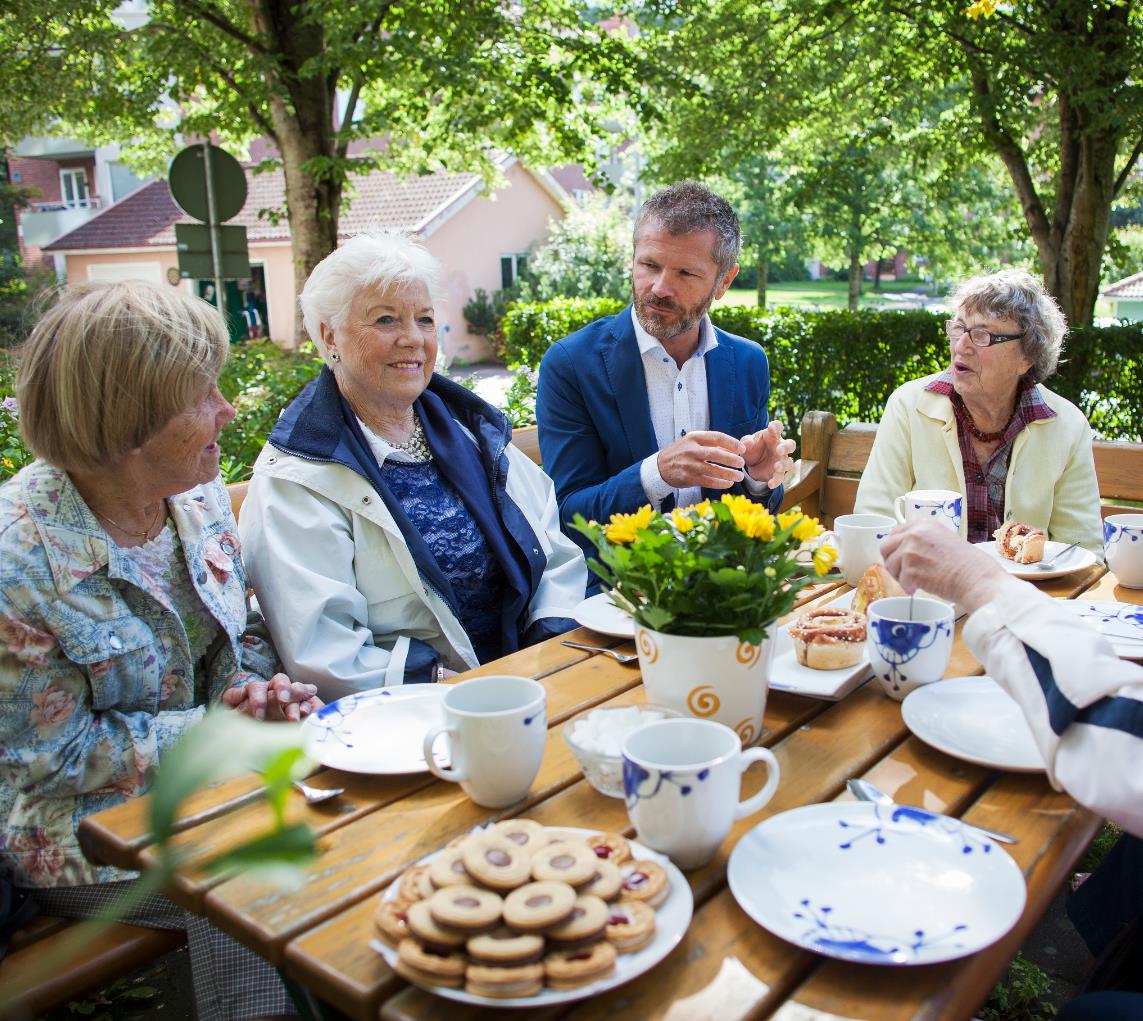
123, 605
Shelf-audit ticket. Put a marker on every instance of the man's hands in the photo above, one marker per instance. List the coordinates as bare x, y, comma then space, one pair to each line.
277, 700
923, 554
767, 455
703, 458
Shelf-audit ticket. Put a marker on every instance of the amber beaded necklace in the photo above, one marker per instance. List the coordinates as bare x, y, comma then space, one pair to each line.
970, 425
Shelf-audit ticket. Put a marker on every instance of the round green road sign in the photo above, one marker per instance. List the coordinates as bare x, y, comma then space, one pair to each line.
187, 180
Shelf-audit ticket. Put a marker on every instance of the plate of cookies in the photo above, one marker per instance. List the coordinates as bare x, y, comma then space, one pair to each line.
822, 653
525, 915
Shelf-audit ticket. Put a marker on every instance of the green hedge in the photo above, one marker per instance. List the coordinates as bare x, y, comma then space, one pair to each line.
850, 362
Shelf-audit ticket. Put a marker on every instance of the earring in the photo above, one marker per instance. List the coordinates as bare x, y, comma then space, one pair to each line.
334, 356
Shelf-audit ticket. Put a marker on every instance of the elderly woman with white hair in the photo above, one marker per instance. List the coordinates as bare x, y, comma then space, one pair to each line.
393, 533
987, 427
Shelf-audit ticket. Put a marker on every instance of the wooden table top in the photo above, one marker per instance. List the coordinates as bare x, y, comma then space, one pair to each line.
726, 966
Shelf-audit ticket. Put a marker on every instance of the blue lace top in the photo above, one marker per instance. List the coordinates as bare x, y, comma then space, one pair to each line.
459, 546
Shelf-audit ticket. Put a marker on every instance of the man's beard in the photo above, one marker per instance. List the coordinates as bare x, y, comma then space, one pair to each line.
663, 329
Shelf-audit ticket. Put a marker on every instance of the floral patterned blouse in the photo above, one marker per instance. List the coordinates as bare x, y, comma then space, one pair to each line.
97, 673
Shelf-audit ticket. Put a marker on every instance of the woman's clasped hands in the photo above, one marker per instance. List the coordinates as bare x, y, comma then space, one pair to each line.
278, 700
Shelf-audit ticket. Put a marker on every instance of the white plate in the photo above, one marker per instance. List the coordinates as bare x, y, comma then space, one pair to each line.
1121, 623
878, 884
1074, 560
974, 719
600, 614
671, 920
376, 731
787, 674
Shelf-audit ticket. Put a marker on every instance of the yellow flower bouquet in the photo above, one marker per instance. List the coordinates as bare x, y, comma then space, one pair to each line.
717, 568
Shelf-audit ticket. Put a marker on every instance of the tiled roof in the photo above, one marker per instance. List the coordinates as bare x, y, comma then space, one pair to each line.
147, 217
1128, 287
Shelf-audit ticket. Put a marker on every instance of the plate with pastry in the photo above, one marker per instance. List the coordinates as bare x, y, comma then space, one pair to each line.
600, 614
1020, 549
524, 915
821, 653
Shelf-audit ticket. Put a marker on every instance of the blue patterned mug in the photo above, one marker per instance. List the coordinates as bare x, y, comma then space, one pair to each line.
681, 782
941, 505
909, 642
1123, 548
497, 727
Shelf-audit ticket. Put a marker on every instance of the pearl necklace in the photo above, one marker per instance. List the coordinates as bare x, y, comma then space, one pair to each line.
416, 446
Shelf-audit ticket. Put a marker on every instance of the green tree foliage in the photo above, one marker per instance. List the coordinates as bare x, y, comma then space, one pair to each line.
443, 84
587, 254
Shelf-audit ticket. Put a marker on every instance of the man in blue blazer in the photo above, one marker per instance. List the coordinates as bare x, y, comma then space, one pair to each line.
656, 405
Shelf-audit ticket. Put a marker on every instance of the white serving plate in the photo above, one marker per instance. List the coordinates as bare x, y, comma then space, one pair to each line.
1120, 623
671, 920
1075, 560
377, 731
600, 614
787, 674
974, 719
876, 884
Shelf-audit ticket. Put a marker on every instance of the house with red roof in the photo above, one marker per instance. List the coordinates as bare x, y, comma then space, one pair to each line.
1126, 298
480, 236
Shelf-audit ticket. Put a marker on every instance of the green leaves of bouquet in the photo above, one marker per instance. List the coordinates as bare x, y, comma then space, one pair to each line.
725, 568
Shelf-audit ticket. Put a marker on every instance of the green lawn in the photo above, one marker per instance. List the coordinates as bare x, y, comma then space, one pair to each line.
828, 294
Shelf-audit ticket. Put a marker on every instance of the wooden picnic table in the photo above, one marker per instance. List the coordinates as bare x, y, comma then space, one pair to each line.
726, 967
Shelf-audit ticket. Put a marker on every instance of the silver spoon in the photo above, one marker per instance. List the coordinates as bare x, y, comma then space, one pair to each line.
1047, 565
316, 795
863, 790
619, 657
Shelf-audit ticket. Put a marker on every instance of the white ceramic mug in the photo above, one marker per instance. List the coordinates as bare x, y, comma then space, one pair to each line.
681, 782
859, 542
941, 505
1123, 548
909, 642
496, 728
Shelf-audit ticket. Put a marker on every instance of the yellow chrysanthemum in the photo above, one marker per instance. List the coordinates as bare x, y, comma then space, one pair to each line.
702, 509
787, 519
623, 528
643, 516
825, 556
682, 520
761, 525
807, 528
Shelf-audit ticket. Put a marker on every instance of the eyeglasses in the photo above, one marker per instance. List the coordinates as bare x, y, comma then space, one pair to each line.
979, 336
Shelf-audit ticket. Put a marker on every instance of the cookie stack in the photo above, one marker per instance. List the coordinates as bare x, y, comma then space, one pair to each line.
517, 907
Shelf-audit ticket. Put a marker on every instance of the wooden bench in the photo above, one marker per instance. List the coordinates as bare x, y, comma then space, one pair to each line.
119, 949
825, 480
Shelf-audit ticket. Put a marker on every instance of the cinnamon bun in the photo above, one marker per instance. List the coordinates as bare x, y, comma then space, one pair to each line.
1019, 542
829, 638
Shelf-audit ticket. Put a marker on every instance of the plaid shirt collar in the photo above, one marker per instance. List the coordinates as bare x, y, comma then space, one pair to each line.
1030, 407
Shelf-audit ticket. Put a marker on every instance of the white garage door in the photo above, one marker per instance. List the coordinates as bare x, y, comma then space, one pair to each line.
113, 272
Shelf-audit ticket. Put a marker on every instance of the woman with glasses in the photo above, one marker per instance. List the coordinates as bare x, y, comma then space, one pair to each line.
988, 427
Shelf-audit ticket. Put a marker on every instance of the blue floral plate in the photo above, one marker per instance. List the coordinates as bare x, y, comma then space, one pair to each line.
876, 884
1120, 623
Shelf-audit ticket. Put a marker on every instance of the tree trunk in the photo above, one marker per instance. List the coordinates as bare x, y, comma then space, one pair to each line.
301, 107
877, 275
763, 280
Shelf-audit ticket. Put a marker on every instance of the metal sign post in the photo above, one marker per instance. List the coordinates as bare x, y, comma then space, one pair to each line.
215, 236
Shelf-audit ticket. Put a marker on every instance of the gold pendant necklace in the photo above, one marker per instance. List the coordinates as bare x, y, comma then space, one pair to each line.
127, 531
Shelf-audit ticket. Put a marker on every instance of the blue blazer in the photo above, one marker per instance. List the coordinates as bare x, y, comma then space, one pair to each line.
595, 421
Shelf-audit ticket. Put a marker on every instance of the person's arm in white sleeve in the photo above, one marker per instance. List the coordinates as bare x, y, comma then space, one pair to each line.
1083, 703
298, 548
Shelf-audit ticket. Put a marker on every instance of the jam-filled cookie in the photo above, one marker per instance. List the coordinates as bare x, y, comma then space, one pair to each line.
447, 869
585, 924
645, 881
425, 929
391, 920
503, 948
504, 983
538, 906
630, 926
496, 862
570, 969
414, 883
610, 847
467, 908
573, 864
606, 882
525, 833
419, 964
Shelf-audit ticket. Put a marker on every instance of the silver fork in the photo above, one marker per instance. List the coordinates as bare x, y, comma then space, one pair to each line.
1047, 565
619, 657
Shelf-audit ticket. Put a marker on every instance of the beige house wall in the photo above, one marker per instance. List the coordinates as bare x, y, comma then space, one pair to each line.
468, 240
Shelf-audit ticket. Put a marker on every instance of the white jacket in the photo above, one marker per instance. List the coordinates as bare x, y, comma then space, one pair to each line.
1084, 703
339, 589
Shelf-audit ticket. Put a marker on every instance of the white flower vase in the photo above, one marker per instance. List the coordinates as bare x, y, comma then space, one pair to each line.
713, 678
